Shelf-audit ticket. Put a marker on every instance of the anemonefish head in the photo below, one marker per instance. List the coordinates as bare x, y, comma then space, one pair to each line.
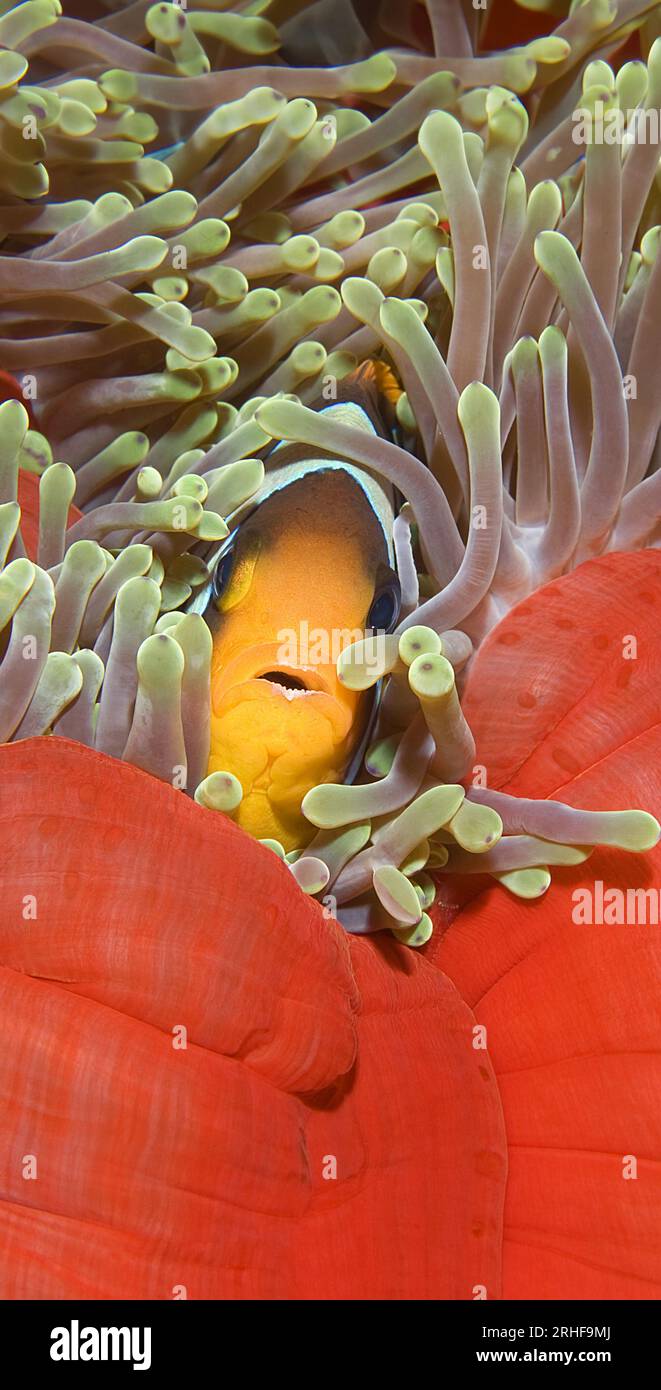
304, 575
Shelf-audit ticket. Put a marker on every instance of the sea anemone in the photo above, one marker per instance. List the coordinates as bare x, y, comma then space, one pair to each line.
169, 315
211, 215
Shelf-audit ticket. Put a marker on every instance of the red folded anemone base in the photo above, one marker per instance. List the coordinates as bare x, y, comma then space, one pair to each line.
213, 1092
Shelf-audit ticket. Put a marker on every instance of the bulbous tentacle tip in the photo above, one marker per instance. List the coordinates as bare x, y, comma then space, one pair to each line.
637, 831
526, 883
397, 895
311, 874
220, 791
417, 935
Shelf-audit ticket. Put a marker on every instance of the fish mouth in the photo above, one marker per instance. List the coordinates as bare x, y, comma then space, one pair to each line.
293, 684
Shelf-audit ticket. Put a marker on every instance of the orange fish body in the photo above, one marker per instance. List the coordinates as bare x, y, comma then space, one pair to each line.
303, 576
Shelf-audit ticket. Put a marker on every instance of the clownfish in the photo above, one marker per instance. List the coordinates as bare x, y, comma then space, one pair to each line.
305, 573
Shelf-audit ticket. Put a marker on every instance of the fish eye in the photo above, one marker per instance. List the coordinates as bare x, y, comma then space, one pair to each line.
384, 609
223, 572
235, 570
